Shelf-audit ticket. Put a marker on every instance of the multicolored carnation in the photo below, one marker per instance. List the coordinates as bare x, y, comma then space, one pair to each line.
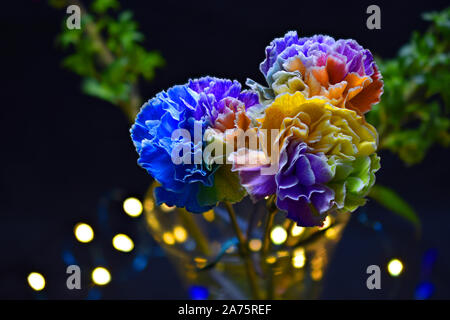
204, 103
340, 70
326, 162
308, 122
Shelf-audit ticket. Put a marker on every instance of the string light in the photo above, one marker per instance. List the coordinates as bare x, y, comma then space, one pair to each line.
101, 276
36, 281
278, 235
83, 232
122, 242
395, 267
132, 207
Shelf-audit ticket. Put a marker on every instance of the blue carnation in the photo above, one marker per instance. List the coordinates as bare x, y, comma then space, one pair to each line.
197, 103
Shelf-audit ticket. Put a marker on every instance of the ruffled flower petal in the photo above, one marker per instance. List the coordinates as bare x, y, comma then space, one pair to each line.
341, 71
208, 104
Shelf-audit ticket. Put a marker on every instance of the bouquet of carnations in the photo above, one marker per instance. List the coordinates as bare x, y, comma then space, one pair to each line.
300, 141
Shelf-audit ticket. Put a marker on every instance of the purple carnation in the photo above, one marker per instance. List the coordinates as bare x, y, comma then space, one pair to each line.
299, 184
301, 189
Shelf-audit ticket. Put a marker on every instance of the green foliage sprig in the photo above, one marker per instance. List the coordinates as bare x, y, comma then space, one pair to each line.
107, 53
414, 110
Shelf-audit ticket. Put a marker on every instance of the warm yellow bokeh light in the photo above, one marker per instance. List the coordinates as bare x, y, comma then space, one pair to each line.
132, 207
101, 276
122, 242
83, 232
168, 238
297, 230
255, 245
395, 267
298, 262
271, 259
278, 235
36, 281
298, 259
180, 233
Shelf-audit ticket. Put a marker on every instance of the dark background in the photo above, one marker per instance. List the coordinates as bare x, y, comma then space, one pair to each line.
63, 151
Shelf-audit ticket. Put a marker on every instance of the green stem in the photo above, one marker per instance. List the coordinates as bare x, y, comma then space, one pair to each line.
243, 251
272, 209
289, 229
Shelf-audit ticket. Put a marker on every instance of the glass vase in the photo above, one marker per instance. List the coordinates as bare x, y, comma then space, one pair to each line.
204, 250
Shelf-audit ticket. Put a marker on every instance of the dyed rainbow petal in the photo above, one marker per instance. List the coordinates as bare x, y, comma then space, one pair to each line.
327, 160
322, 126
341, 71
210, 103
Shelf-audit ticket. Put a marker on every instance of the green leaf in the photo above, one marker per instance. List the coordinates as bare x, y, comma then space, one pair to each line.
101, 6
389, 199
94, 88
227, 187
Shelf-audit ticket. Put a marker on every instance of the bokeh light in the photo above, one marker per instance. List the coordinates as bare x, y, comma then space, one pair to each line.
168, 238
101, 276
271, 259
180, 234
298, 259
83, 232
198, 292
278, 235
36, 281
395, 267
255, 245
122, 242
132, 207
